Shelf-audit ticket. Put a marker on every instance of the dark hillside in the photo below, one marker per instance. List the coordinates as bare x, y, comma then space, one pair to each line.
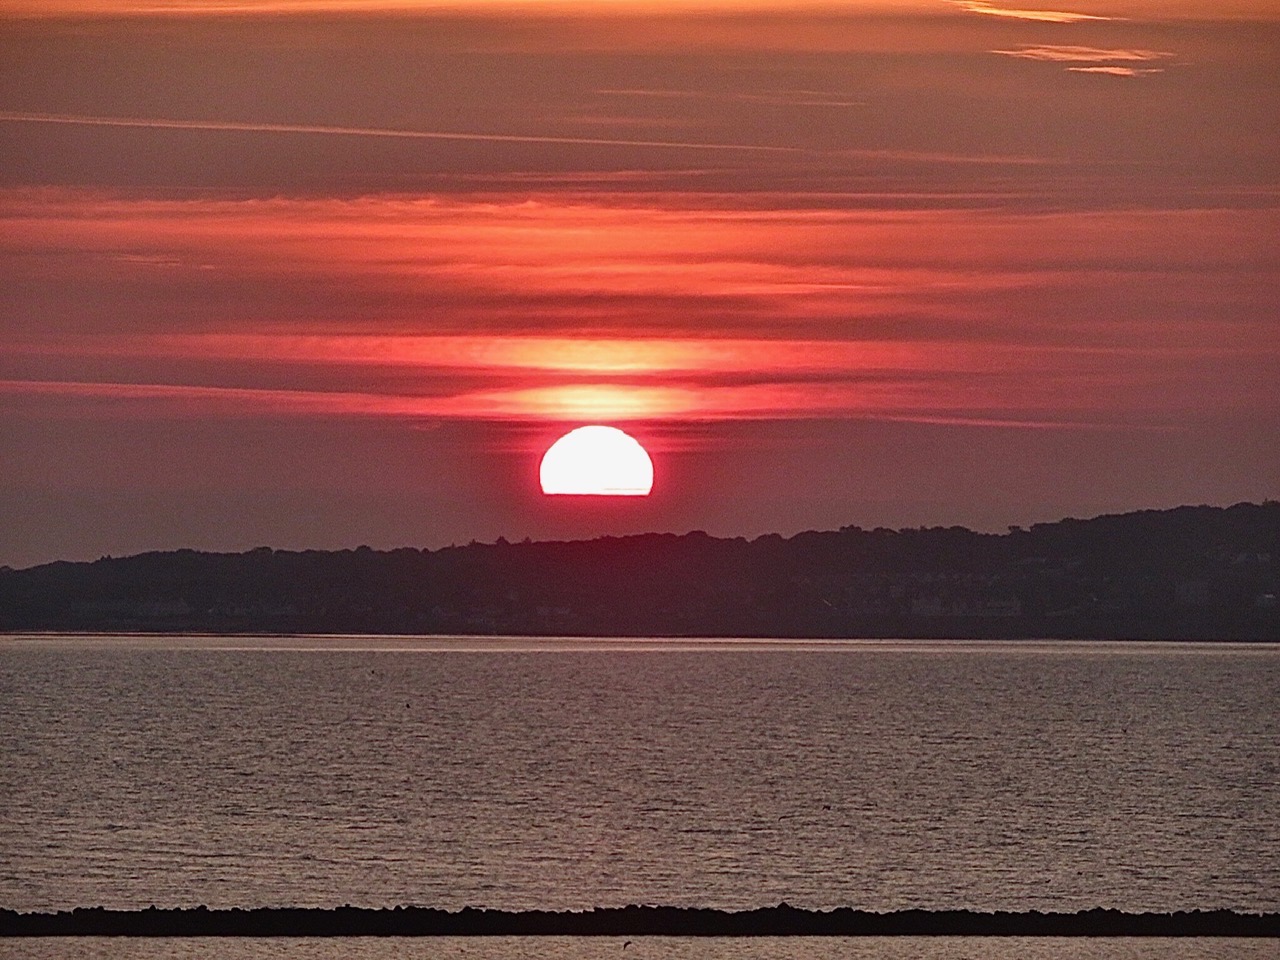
1192, 572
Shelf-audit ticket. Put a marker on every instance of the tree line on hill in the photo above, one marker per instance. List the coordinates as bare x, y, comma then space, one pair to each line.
1187, 573
638, 921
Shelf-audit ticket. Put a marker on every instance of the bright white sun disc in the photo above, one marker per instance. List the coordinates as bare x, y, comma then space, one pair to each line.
597, 460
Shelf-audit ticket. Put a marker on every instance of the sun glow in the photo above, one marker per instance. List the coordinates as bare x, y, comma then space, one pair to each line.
599, 461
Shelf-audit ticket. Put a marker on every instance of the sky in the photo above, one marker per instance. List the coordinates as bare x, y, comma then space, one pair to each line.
311, 274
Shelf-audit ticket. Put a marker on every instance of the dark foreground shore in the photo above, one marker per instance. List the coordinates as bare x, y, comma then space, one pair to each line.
779, 921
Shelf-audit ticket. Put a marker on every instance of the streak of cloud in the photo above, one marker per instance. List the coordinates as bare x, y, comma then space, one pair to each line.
234, 126
656, 307
1117, 71
1061, 53
1044, 16
581, 355
890, 400
782, 98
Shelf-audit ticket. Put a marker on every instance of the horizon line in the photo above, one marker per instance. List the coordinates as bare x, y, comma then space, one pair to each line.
527, 541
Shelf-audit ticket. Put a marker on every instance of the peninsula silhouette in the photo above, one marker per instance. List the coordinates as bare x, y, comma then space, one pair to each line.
1191, 573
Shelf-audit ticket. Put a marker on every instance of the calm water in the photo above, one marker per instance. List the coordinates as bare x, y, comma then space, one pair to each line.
323, 771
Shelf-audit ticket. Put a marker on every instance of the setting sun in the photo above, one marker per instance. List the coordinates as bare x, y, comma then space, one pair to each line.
597, 460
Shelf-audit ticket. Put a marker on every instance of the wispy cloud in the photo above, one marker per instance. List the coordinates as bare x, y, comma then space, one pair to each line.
574, 356
1077, 59
1117, 71
1063, 53
236, 126
550, 307
1044, 16
892, 399
962, 159
781, 98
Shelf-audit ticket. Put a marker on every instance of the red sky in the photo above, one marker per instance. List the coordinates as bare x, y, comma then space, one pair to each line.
312, 274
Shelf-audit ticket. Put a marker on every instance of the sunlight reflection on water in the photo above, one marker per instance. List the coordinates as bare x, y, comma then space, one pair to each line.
879, 776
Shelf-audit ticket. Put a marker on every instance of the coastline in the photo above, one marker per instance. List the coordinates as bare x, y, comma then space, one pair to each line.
636, 921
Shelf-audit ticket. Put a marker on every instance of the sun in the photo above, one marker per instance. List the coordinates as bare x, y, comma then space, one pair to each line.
597, 461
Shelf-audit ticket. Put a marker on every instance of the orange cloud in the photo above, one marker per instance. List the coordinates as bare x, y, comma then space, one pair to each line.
643, 307
636, 9
503, 7
1098, 60
646, 263
1060, 53
1117, 71
1044, 16
888, 400
581, 355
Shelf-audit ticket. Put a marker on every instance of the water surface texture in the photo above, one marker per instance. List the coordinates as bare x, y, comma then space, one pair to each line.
566, 775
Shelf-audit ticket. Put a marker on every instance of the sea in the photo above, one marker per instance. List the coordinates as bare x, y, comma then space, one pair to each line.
565, 774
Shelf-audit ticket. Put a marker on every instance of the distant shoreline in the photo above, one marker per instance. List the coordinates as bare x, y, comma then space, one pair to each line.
1191, 574
779, 921
233, 639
